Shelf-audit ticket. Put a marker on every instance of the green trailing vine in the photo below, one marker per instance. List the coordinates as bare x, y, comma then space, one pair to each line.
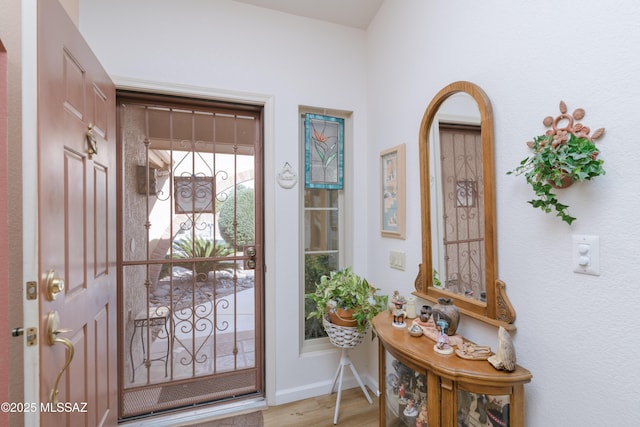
561, 156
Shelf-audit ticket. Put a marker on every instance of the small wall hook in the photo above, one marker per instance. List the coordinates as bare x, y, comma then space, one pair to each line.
287, 177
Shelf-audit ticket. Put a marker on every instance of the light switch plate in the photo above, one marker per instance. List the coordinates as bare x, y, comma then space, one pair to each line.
396, 260
585, 251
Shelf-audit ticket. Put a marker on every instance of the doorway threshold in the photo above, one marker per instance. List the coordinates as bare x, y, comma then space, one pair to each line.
199, 415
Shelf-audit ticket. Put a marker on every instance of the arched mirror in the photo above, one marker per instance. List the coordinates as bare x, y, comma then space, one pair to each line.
457, 180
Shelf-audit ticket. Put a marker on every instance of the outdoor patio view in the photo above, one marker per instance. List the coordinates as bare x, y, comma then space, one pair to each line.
189, 301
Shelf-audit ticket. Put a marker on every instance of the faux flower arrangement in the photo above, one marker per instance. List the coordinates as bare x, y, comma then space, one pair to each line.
560, 157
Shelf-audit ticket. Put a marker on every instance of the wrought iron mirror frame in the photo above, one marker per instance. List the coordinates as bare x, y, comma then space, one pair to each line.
497, 309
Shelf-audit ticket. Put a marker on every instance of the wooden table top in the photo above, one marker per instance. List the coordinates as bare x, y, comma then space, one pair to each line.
419, 351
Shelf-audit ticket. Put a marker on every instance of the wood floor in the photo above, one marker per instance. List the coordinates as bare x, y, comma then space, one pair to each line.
355, 411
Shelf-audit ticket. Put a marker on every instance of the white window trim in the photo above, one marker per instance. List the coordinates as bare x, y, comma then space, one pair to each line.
345, 237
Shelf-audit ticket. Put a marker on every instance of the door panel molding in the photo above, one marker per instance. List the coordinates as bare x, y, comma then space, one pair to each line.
76, 211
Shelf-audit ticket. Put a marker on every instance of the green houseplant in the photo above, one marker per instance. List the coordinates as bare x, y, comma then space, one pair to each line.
345, 290
561, 156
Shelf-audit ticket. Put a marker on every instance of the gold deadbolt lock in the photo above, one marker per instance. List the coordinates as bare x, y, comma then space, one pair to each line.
55, 285
250, 251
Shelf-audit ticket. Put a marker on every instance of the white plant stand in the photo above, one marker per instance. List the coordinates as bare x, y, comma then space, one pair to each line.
345, 338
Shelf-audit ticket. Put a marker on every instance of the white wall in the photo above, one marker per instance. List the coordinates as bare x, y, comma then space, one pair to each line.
221, 45
576, 333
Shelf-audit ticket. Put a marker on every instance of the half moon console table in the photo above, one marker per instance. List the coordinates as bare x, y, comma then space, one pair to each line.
422, 388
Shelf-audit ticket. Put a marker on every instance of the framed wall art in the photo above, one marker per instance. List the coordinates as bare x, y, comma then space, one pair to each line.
392, 192
324, 151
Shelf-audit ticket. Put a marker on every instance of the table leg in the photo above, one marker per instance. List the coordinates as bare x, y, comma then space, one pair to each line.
166, 358
133, 368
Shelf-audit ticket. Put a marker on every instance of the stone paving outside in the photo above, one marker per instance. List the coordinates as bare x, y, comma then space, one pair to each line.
185, 335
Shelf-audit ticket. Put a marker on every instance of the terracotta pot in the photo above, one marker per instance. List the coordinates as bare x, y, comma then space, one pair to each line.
342, 317
565, 182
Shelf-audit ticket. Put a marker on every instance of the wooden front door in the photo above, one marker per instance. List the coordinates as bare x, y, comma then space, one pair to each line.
76, 204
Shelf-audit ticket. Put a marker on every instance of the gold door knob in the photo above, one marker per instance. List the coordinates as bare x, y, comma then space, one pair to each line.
53, 321
55, 285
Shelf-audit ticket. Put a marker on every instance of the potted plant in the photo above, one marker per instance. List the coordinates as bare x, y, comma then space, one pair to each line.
560, 157
344, 295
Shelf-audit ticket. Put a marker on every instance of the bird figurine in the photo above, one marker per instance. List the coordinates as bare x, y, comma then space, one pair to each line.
505, 357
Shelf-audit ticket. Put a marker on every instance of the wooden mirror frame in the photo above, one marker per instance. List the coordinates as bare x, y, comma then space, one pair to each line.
497, 309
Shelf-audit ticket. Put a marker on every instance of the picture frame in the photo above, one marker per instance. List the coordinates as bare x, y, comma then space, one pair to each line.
392, 192
324, 151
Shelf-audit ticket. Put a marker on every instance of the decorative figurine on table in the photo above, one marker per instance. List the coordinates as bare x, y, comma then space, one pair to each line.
399, 314
423, 416
445, 309
505, 357
442, 345
396, 297
425, 313
392, 301
471, 351
415, 330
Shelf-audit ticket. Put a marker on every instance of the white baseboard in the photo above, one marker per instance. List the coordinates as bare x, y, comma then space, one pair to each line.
323, 387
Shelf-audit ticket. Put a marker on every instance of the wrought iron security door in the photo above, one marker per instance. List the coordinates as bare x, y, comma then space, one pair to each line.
190, 254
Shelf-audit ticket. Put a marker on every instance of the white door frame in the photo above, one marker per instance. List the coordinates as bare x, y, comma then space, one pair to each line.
29, 90
267, 101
